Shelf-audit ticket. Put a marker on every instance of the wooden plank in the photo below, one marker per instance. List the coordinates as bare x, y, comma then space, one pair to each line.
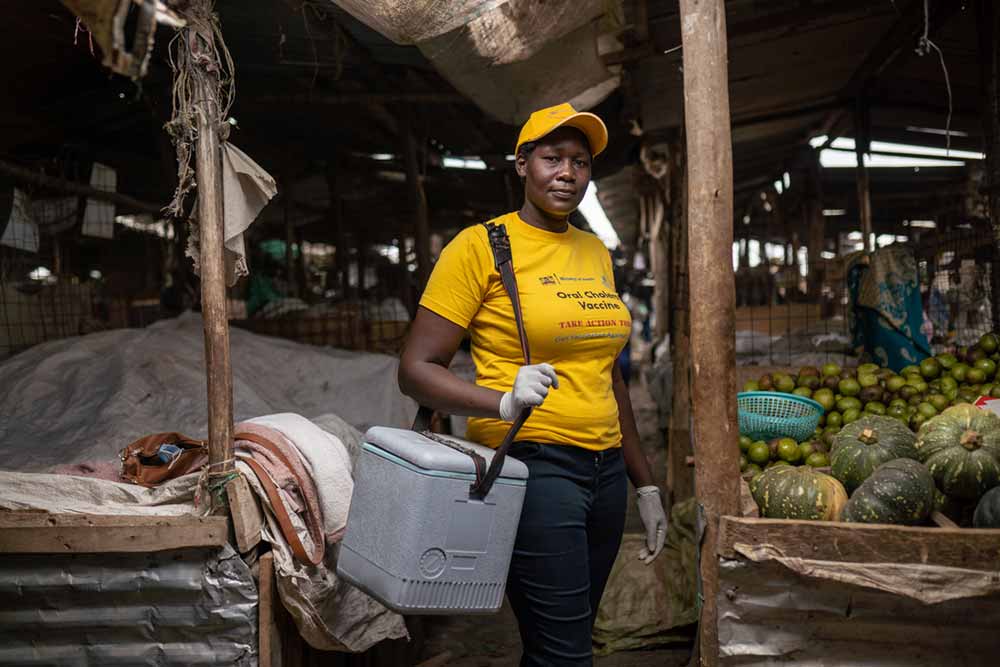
941, 520
712, 287
265, 609
865, 543
245, 511
35, 532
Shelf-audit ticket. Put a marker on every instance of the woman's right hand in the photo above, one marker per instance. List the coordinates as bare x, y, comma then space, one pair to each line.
531, 386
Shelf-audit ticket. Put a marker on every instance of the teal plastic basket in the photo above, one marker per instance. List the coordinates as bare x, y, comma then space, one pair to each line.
765, 414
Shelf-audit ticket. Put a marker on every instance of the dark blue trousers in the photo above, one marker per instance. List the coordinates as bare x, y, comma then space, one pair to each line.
568, 538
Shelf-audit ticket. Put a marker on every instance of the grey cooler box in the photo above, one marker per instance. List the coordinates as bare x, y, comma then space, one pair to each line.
416, 540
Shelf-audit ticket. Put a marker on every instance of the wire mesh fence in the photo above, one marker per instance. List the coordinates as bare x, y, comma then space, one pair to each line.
68, 268
34, 306
780, 321
57, 282
956, 271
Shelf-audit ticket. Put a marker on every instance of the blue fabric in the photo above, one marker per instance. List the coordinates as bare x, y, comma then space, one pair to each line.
886, 311
568, 538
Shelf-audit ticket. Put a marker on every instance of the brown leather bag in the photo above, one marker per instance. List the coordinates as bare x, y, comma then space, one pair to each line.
142, 465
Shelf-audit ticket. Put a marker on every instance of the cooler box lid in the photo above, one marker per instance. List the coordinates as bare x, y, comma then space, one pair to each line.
424, 453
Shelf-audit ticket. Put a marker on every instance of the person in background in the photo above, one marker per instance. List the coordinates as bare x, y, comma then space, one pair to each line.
581, 443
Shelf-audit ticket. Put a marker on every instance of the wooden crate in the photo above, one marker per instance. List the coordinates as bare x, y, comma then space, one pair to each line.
813, 594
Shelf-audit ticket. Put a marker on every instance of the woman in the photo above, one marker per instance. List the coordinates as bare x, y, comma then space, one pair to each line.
581, 437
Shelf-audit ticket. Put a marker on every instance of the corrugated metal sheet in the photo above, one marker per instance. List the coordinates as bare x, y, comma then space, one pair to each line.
182, 607
769, 615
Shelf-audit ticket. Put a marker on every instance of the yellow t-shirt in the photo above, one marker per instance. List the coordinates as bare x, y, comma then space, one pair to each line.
572, 314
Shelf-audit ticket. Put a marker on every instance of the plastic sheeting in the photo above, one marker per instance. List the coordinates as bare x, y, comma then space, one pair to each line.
535, 72
510, 57
185, 607
84, 399
329, 613
409, 21
772, 615
650, 605
924, 583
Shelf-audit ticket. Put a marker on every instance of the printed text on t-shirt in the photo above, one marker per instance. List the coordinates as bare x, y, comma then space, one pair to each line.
591, 300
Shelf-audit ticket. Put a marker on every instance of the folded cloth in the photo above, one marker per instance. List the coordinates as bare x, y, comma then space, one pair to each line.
246, 189
328, 462
289, 486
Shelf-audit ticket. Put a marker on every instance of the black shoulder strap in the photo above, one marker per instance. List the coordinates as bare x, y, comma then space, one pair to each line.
500, 243
485, 477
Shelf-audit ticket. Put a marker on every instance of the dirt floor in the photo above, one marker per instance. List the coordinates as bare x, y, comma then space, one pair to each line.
492, 641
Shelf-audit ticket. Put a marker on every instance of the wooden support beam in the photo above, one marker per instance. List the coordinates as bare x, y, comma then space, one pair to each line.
861, 149
211, 217
266, 601
680, 478
341, 257
41, 532
418, 203
812, 207
31, 177
290, 273
655, 210
713, 296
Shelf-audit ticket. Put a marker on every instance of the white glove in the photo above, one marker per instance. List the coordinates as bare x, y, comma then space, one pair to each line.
655, 521
531, 386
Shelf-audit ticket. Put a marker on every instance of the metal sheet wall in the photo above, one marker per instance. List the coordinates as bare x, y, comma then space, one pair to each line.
182, 607
769, 615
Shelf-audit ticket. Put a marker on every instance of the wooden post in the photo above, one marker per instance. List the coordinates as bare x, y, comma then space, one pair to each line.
508, 190
342, 256
208, 166
289, 240
656, 218
418, 202
988, 22
813, 208
680, 476
710, 242
861, 140
265, 609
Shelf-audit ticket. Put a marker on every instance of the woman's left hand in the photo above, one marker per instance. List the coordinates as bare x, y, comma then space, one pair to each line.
655, 521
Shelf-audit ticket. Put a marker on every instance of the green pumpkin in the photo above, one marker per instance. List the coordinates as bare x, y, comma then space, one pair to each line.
798, 492
961, 448
864, 445
988, 510
900, 492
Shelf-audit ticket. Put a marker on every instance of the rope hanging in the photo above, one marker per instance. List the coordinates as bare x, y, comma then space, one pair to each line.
198, 50
924, 46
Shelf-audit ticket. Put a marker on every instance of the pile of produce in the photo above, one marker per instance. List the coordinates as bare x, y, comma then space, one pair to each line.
890, 448
914, 395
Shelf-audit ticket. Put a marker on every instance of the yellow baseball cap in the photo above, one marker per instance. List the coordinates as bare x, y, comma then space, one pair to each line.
546, 120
